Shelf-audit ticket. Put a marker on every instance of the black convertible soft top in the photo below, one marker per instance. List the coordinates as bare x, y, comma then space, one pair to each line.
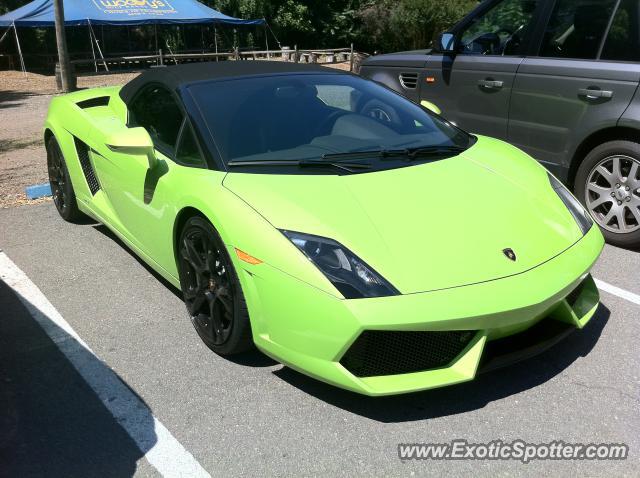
172, 77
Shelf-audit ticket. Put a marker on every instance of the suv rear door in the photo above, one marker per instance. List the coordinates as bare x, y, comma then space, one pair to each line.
473, 86
581, 79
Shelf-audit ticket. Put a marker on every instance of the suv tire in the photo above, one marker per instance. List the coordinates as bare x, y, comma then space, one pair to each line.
608, 184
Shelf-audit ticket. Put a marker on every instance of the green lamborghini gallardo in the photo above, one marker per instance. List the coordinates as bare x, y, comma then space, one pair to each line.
343, 230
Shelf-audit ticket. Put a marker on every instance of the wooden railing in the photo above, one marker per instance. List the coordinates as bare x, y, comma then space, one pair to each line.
338, 55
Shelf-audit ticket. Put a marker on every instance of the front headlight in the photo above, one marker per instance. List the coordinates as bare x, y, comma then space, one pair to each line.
578, 212
346, 271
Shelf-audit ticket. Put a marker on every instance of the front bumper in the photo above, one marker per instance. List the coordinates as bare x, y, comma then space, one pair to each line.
311, 331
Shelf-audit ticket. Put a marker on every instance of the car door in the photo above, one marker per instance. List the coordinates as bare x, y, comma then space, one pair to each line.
581, 81
140, 196
472, 85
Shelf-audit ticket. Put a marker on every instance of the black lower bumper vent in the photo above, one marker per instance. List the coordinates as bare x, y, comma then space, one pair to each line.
378, 352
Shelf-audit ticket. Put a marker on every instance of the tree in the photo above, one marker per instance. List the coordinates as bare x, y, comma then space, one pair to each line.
408, 24
373, 25
293, 20
9, 5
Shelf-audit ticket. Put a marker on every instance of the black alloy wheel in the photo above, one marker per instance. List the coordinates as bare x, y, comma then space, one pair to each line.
64, 197
211, 290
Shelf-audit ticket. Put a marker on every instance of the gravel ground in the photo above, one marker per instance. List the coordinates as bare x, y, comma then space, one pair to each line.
32, 83
23, 106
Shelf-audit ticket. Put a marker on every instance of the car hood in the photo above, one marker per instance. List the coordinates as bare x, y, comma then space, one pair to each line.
405, 59
430, 226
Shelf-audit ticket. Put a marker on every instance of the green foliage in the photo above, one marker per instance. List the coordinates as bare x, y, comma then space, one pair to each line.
294, 18
372, 25
8, 5
383, 25
408, 24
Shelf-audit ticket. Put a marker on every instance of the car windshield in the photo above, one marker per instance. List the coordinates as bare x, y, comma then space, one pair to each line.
315, 116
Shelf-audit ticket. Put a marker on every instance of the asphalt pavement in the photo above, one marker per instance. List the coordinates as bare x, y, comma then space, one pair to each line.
250, 416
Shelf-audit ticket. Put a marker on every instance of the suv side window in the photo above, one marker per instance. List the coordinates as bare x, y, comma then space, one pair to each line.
499, 31
622, 43
156, 111
576, 29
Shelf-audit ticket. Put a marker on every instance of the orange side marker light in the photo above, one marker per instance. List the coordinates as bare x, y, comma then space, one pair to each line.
430, 79
243, 256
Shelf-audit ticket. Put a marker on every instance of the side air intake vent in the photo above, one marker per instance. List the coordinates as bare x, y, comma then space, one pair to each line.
93, 102
409, 80
89, 174
380, 352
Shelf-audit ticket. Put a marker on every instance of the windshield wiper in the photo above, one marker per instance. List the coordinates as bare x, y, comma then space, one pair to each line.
306, 163
409, 153
336, 160
434, 151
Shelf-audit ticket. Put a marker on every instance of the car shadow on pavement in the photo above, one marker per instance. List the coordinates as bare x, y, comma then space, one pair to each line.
52, 423
464, 397
252, 358
101, 228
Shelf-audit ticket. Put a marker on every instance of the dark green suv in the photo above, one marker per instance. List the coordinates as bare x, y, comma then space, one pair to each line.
557, 78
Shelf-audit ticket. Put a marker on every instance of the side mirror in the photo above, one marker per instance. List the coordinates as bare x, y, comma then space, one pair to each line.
447, 42
431, 107
133, 141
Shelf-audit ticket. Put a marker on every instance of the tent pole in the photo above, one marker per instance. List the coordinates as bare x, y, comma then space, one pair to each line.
236, 45
99, 49
273, 33
215, 39
171, 53
93, 50
24, 68
5, 34
155, 35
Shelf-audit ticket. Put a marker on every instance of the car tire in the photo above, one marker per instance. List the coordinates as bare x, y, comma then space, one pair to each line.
64, 197
211, 290
608, 184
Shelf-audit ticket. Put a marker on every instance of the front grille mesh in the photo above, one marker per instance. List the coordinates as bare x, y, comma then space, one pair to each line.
89, 174
378, 352
409, 80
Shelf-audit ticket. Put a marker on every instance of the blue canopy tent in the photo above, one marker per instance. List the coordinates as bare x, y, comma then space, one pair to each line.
39, 13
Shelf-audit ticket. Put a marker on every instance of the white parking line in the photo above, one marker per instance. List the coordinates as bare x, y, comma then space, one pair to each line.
612, 289
161, 449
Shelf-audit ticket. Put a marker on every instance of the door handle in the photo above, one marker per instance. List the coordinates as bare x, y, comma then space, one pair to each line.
593, 93
491, 84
